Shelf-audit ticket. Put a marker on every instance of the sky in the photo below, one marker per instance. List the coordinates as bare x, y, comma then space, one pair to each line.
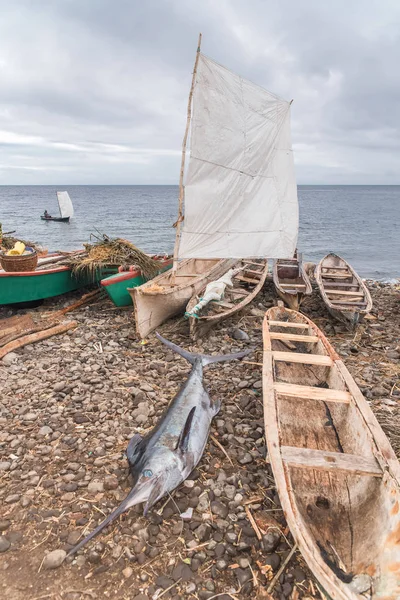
95, 91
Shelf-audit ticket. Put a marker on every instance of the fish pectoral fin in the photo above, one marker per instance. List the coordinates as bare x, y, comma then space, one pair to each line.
132, 451
183, 441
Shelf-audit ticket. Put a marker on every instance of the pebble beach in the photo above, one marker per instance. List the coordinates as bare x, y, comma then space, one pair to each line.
69, 406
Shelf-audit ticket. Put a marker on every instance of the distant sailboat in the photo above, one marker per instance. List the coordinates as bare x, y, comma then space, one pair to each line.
240, 196
66, 209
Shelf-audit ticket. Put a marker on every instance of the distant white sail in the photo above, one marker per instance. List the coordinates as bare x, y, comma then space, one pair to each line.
240, 193
65, 204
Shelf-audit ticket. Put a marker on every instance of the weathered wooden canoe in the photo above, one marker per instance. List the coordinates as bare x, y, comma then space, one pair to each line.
168, 294
337, 476
291, 281
247, 283
343, 291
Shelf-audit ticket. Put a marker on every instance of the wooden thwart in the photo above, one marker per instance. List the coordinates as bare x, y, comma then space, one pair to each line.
288, 324
330, 461
312, 393
247, 279
343, 293
293, 337
306, 359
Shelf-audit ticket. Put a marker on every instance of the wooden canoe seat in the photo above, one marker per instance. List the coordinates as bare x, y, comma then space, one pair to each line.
312, 393
336, 284
336, 275
348, 303
246, 279
252, 271
293, 285
293, 337
331, 461
344, 293
254, 263
288, 324
325, 269
305, 359
290, 266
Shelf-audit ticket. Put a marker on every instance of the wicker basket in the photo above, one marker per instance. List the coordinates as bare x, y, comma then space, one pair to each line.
17, 264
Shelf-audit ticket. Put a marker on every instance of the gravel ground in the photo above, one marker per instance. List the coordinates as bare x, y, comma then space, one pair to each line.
68, 407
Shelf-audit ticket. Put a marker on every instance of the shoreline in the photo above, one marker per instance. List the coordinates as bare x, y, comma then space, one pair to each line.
71, 403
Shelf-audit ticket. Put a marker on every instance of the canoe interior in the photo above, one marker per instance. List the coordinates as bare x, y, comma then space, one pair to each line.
188, 270
342, 290
291, 281
350, 520
249, 280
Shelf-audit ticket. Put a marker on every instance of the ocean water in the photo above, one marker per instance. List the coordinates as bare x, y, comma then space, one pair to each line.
361, 223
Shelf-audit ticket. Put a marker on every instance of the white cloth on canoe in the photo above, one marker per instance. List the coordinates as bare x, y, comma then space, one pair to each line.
214, 291
240, 189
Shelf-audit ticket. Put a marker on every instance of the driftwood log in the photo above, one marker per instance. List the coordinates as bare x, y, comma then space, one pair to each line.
36, 337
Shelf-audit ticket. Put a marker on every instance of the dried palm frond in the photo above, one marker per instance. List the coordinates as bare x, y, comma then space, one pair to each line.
7, 242
108, 252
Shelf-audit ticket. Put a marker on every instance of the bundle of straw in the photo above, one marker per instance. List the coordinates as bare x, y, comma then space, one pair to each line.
107, 252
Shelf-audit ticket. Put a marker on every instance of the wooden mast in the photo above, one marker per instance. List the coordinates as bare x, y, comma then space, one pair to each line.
181, 186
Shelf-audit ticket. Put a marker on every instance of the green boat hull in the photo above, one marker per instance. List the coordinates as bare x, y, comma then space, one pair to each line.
18, 288
117, 285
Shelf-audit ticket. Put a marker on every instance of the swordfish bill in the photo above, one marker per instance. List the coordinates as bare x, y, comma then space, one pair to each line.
165, 457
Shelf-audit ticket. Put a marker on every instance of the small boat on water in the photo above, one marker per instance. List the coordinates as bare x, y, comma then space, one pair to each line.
337, 476
117, 285
343, 291
167, 295
66, 209
291, 281
247, 281
239, 199
49, 279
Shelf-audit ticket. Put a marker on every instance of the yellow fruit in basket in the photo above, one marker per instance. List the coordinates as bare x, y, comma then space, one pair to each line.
18, 249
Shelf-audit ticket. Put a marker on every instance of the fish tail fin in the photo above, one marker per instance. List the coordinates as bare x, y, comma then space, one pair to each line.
125, 504
189, 356
205, 359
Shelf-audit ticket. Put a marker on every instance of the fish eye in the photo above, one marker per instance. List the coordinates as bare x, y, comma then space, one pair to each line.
147, 473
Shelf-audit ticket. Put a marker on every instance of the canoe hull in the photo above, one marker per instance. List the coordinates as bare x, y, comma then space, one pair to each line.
287, 272
337, 476
157, 300
117, 285
57, 219
333, 276
32, 286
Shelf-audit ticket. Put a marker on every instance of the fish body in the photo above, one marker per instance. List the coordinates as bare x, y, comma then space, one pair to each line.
165, 457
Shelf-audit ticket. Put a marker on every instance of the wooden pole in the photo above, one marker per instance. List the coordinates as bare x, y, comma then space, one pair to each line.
181, 186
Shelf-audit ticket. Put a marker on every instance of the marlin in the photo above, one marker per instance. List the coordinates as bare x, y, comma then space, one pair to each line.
166, 456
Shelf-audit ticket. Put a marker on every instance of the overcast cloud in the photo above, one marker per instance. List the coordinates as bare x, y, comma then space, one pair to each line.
95, 91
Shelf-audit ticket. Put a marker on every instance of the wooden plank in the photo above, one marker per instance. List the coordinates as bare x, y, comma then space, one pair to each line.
344, 293
288, 324
274, 335
312, 393
330, 461
336, 275
348, 303
252, 271
306, 359
336, 284
334, 269
293, 285
223, 304
246, 279
296, 266
238, 293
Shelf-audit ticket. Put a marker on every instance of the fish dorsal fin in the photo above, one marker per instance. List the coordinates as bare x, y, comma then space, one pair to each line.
132, 451
182, 443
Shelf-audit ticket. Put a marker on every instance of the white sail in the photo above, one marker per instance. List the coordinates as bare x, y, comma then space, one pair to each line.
65, 204
240, 192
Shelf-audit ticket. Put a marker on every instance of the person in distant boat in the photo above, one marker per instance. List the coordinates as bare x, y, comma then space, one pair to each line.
46, 215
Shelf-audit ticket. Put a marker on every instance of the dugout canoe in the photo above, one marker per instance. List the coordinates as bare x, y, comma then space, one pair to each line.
247, 283
344, 293
291, 281
337, 476
168, 294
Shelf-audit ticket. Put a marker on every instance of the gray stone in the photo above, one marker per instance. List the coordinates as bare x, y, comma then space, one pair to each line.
59, 386
4, 544
5, 465
203, 532
95, 486
30, 416
246, 459
54, 559
9, 359
239, 334
219, 509
4, 524
270, 541
12, 499
45, 430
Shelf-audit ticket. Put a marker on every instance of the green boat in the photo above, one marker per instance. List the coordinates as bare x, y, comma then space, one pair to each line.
33, 286
116, 285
